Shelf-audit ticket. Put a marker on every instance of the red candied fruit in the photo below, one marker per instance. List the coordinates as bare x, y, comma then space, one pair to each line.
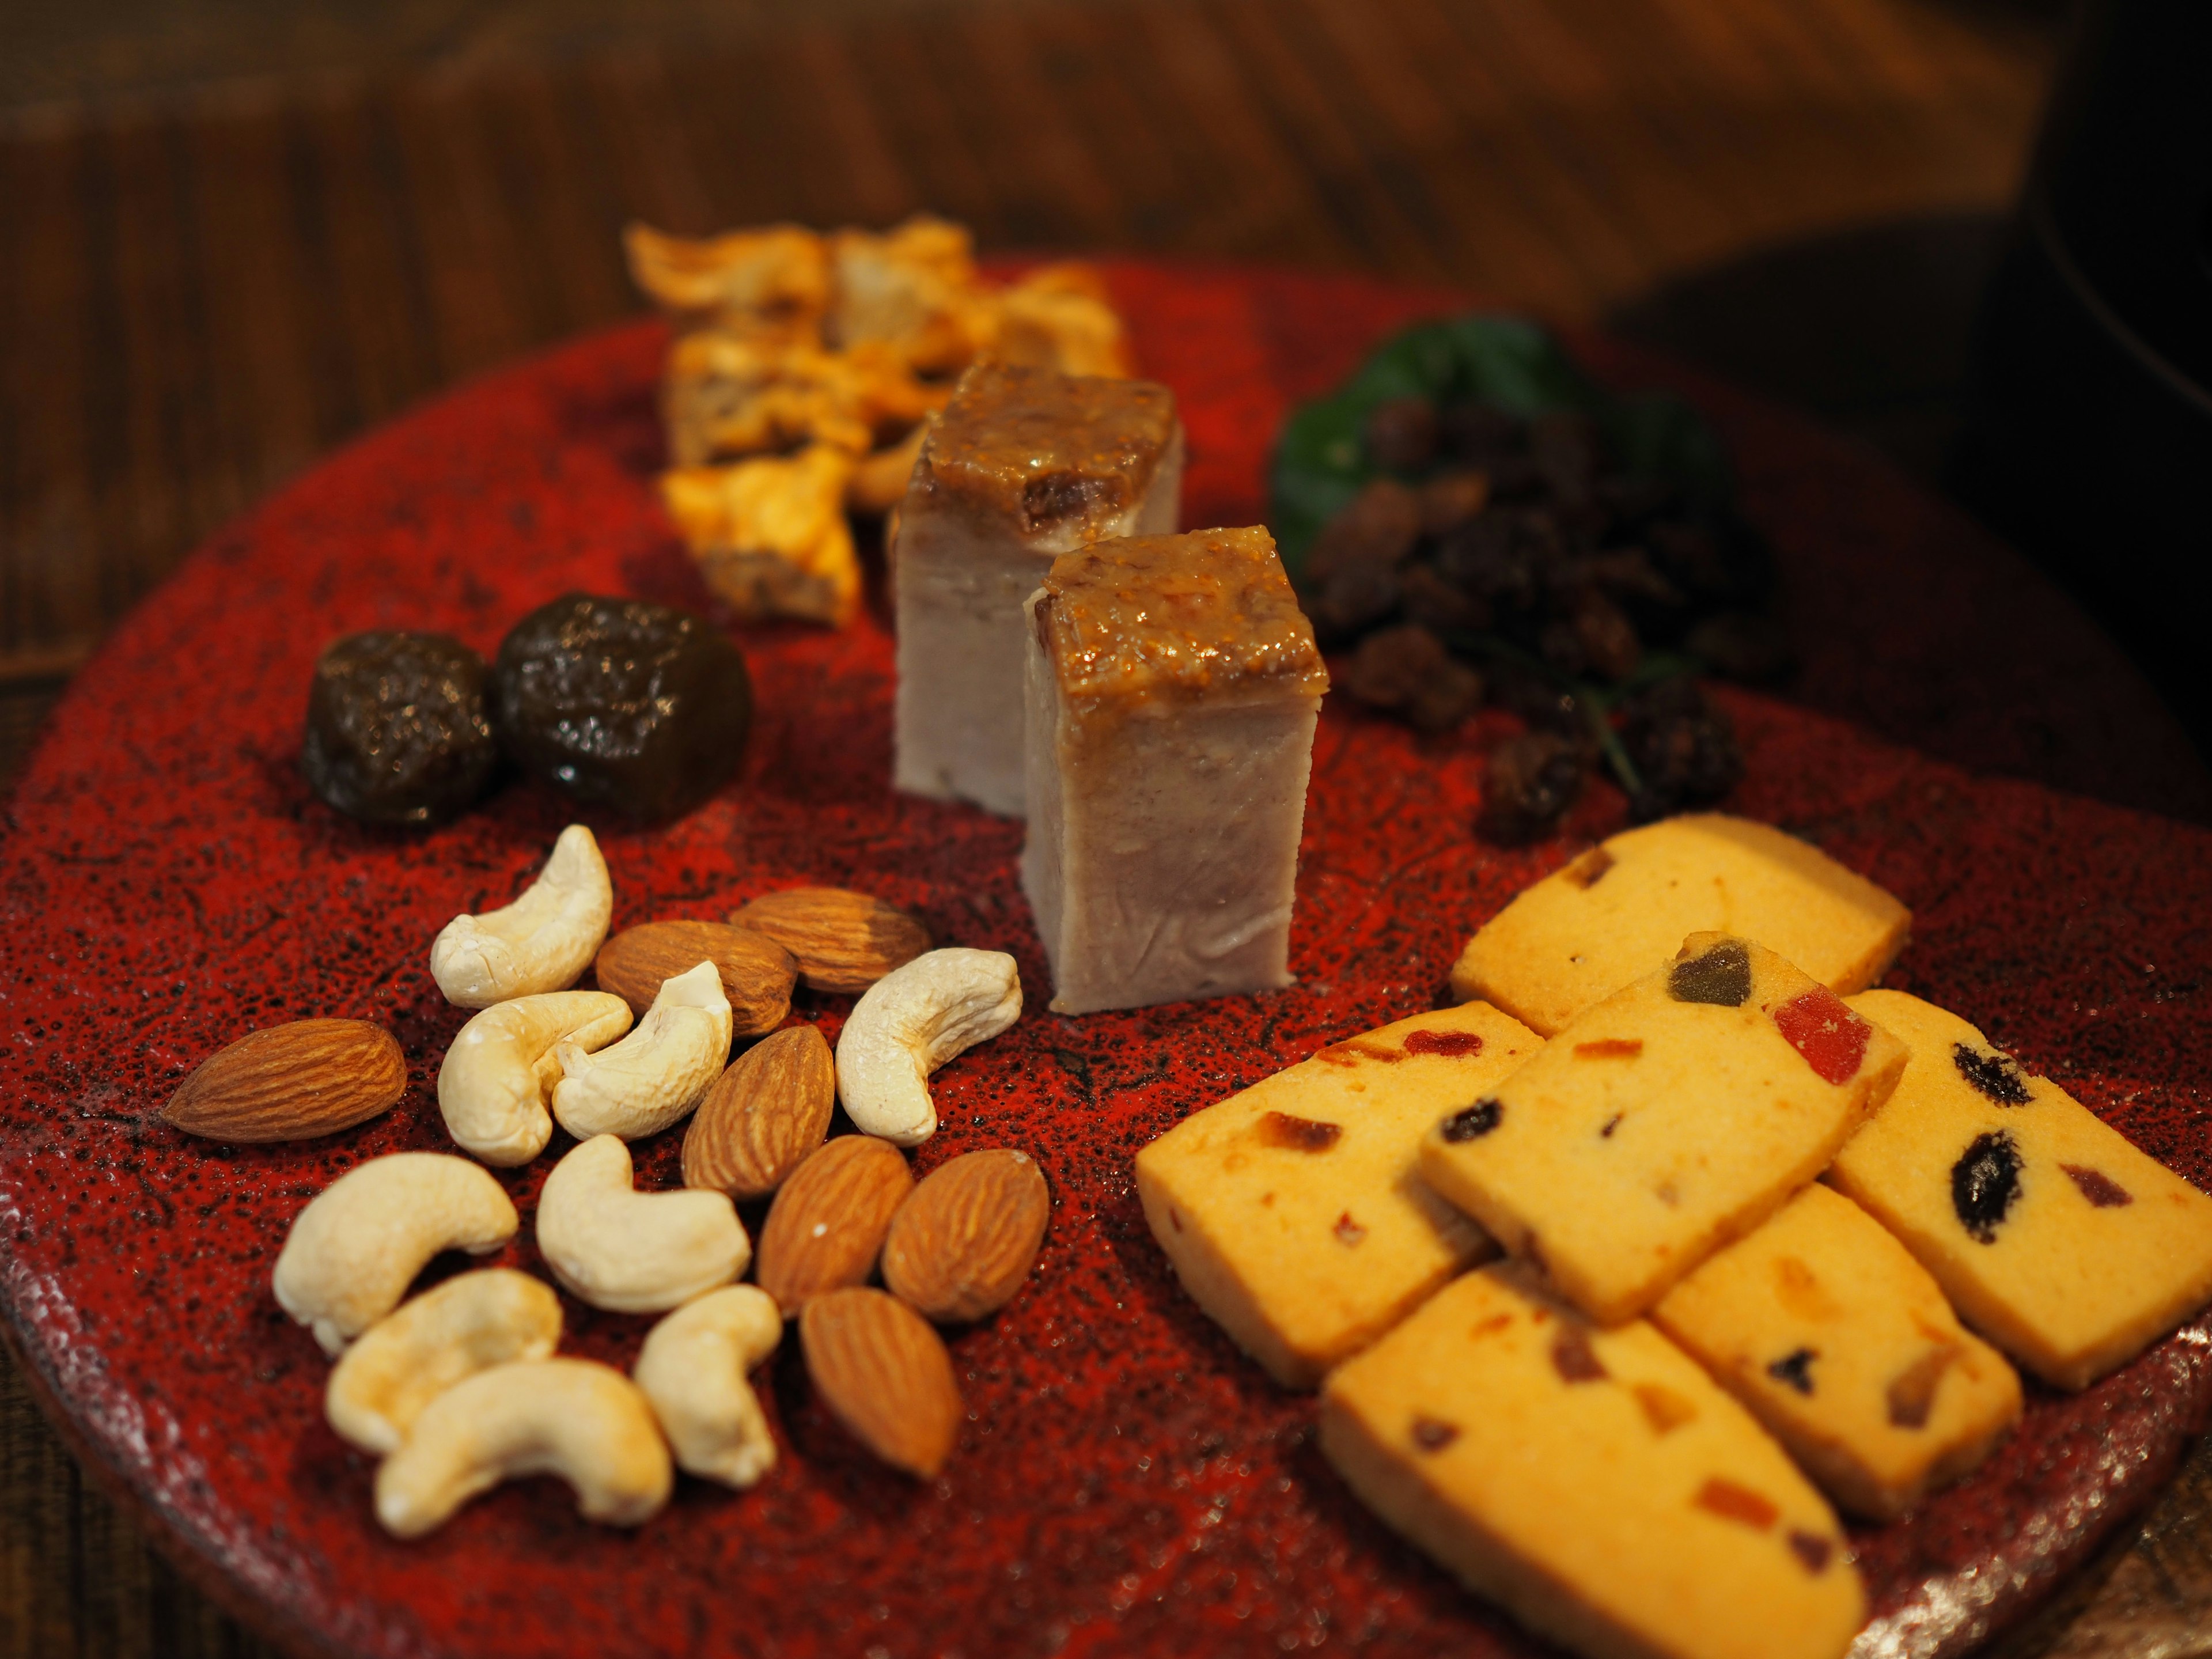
1452, 1045
1831, 1038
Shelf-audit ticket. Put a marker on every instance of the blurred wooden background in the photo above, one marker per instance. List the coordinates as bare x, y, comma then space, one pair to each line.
235, 233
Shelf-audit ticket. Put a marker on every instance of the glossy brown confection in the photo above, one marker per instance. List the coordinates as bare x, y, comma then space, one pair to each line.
398, 733
641, 706
1174, 618
1042, 448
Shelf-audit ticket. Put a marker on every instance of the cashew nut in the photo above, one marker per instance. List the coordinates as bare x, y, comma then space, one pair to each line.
541, 942
658, 1072
358, 1246
406, 1360
693, 1369
633, 1252
583, 1421
492, 1085
910, 1022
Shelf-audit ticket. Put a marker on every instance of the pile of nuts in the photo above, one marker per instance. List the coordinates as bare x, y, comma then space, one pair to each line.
461, 1387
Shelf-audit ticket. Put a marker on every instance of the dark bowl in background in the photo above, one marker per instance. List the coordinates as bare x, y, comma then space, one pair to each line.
2088, 437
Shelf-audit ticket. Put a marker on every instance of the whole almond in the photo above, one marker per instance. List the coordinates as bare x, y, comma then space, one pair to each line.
844, 941
828, 1221
763, 1116
884, 1373
756, 972
313, 1076
964, 1243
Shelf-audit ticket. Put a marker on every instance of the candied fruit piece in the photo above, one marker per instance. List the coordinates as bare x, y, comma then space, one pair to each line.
1831, 1038
1722, 977
397, 733
1994, 1075
1984, 1181
638, 706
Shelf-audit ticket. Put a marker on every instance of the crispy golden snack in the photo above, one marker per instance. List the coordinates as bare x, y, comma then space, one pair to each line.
1057, 317
910, 288
769, 534
725, 396
773, 283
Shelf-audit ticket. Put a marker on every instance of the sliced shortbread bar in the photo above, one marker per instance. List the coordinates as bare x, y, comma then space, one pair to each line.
1173, 688
1841, 1344
1022, 466
1292, 1211
1595, 1482
1619, 911
1674, 1116
2051, 1235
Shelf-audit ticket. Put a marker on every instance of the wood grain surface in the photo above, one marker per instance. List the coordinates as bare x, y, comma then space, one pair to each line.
235, 234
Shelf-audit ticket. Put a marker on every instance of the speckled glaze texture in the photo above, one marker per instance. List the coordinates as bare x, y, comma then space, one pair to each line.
1126, 1482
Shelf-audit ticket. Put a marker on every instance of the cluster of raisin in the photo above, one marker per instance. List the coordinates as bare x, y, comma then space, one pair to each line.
1510, 561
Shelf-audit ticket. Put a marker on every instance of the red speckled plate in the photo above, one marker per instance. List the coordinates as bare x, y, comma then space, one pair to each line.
1125, 1483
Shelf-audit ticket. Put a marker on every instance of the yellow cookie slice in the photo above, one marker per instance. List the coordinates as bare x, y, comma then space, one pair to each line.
1595, 1482
1291, 1211
1840, 1343
2052, 1236
1620, 910
1674, 1116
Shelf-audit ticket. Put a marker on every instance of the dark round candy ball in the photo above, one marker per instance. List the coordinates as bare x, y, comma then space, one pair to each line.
397, 731
640, 707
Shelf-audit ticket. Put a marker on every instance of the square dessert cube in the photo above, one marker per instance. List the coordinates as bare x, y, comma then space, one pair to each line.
1674, 1116
1595, 1482
1620, 910
1172, 684
1840, 1343
1022, 466
1293, 1210
2052, 1236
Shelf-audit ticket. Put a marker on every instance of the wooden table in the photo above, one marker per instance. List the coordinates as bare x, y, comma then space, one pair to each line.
230, 240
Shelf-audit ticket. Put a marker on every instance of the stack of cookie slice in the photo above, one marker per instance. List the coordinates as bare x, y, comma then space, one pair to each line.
1629, 1431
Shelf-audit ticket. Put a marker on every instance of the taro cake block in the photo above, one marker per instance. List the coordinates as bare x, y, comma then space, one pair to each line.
1293, 1210
2052, 1236
1023, 465
1173, 685
1840, 1343
1675, 1115
1595, 1482
1622, 907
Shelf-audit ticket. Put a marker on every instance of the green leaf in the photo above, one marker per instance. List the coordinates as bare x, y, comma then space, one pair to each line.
1320, 462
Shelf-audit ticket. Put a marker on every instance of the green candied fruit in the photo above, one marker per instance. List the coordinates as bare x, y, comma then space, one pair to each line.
624, 703
397, 733
1722, 976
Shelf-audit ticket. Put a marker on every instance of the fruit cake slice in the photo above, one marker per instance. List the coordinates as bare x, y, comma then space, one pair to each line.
1618, 911
1840, 1343
1022, 464
1595, 1482
1674, 1116
1291, 1211
2053, 1236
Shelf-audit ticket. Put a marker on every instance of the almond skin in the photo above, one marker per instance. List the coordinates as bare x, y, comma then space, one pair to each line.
828, 1221
844, 941
763, 1116
312, 1077
884, 1373
962, 1244
756, 972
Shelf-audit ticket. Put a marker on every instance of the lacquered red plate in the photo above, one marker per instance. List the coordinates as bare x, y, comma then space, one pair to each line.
1126, 1482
